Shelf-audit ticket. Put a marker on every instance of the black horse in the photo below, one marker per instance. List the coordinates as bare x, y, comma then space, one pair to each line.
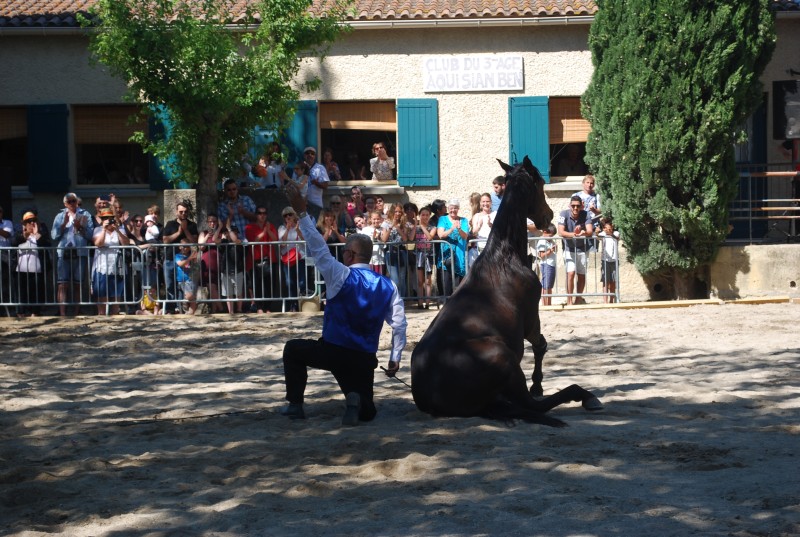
468, 361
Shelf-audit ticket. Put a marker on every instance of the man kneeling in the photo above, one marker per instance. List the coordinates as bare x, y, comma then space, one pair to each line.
358, 302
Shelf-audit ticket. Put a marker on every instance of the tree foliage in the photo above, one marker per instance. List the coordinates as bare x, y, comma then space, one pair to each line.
218, 67
674, 81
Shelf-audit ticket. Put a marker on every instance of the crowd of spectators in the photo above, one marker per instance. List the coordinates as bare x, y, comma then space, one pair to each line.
139, 264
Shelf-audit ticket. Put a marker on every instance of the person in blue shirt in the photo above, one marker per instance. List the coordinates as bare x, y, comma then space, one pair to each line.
359, 301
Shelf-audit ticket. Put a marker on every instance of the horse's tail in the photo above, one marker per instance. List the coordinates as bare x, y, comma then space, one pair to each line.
506, 411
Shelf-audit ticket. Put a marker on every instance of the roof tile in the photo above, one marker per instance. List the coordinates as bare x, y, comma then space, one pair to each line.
61, 13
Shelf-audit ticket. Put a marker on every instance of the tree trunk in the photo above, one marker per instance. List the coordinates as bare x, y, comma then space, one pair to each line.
691, 284
206, 192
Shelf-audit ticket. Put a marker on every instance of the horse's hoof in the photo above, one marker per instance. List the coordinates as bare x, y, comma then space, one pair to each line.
592, 404
537, 391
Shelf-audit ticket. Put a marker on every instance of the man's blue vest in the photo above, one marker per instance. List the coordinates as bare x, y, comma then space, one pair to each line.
355, 316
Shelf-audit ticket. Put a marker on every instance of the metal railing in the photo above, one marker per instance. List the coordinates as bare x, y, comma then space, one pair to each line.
228, 278
767, 206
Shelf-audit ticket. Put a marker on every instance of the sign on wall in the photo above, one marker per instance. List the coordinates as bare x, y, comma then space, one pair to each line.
474, 72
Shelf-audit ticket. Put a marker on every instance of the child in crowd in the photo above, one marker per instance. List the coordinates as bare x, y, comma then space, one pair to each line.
185, 269
359, 222
424, 234
149, 305
546, 252
373, 230
610, 256
152, 233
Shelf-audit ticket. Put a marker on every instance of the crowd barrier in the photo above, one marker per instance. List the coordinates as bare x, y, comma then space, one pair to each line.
228, 278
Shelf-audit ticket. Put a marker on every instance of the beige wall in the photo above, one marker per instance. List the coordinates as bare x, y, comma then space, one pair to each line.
473, 127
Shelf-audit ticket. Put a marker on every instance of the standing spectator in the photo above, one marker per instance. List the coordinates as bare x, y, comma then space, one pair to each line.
370, 206
174, 232
155, 212
185, 270
411, 211
355, 170
373, 231
124, 220
546, 251
381, 207
262, 259
275, 166
381, 165
575, 225
232, 263
31, 263
342, 217
610, 257
482, 221
326, 225
73, 228
590, 199
299, 177
330, 165
455, 231
209, 261
499, 188
356, 204
6, 237
572, 162
317, 181
438, 210
359, 222
108, 272
425, 232
292, 258
395, 235
239, 209
359, 302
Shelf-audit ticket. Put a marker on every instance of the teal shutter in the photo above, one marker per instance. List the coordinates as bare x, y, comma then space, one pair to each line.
48, 149
529, 132
302, 132
417, 142
158, 127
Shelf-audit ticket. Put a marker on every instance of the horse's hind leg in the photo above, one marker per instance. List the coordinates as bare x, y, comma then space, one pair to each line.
539, 350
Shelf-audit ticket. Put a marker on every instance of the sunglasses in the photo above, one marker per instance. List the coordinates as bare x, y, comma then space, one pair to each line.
138, 221
577, 206
261, 212
72, 201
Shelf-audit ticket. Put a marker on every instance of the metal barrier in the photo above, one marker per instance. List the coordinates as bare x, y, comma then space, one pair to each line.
766, 208
229, 278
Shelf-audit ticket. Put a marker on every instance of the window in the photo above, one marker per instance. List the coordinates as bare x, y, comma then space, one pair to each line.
103, 152
568, 134
551, 131
14, 145
349, 129
409, 129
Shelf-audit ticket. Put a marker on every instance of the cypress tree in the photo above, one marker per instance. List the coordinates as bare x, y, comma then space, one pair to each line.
673, 82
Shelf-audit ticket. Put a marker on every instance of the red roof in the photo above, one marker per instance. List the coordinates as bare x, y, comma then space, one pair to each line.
61, 13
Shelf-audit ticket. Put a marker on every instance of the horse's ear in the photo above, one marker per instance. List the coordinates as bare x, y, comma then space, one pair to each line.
532, 170
505, 166
527, 162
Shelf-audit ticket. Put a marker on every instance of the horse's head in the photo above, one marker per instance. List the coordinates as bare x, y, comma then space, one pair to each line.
527, 174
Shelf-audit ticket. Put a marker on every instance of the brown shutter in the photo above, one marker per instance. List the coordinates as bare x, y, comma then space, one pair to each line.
13, 123
566, 123
362, 115
104, 124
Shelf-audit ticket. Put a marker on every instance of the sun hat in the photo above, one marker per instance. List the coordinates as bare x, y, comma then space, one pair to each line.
287, 210
104, 213
309, 148
28, 216
149, 218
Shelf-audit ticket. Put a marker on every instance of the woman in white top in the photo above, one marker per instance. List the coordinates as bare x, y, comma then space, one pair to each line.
381, 165
482, 221
108, 272
293, 262
375, 230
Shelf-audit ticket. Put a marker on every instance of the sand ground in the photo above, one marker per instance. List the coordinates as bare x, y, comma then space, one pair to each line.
169, 427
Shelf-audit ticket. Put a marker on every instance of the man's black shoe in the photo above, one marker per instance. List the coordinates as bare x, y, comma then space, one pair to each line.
351, 412
294, 411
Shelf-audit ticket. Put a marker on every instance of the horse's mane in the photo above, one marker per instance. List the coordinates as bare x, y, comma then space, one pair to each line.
509, 237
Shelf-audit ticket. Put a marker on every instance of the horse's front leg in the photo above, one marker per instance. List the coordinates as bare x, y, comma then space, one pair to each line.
539, 350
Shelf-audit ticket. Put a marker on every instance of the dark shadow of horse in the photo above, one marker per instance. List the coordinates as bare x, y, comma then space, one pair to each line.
468, 361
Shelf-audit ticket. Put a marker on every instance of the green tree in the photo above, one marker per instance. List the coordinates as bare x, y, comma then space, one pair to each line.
217, 67
674, 81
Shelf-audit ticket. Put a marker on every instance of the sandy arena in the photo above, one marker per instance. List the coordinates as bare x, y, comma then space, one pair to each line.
169, 427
